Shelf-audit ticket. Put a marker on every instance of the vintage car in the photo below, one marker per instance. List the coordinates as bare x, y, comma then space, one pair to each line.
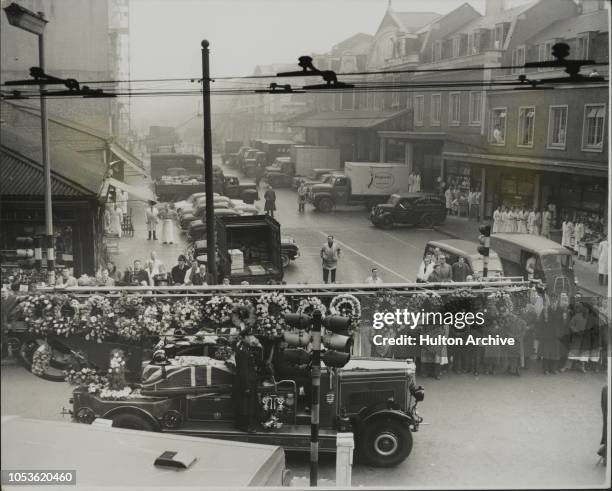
422, 209
376, 399
289, 250
113, 458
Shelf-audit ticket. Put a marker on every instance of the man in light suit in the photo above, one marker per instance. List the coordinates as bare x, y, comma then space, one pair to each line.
152, 220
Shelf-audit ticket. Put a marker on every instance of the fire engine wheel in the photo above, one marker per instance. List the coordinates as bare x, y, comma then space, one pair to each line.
385, 443
325, 205
132, 422
285, 260
426, 221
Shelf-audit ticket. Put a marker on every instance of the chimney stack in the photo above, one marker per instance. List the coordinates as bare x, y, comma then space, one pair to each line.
494, 7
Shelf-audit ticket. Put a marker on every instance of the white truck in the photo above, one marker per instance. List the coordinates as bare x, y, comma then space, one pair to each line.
300, 164
363, 183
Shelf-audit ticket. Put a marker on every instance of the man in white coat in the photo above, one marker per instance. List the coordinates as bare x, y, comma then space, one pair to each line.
152, 219
602, 262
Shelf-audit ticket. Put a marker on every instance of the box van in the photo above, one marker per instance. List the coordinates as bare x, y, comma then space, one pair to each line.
455, 248
552, 263
114, 458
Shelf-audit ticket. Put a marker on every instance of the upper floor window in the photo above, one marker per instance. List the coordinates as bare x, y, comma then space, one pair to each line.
557, 126
456, 47
409, 100
593, 127
545, 53
582, 47
497, 128
347, 101
526, 121
518, 60
436, 108
498, 36
473, 43
419, 109
437, 50
454, 110
475, 108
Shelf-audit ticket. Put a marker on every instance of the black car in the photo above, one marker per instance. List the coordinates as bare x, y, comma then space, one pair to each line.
420, 209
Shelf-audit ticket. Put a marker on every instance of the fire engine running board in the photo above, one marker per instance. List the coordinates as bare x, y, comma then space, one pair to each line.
291, 437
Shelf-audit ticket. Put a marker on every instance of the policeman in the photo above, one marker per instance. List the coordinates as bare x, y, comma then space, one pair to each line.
249, 362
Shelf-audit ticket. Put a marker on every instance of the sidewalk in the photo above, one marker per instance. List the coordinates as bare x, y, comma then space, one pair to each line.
586, 273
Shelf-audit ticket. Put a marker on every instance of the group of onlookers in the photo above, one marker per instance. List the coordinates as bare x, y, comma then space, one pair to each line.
532, 221
435, 269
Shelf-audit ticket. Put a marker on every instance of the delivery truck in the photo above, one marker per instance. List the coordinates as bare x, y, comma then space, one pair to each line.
363, 183
249, 249
285, 171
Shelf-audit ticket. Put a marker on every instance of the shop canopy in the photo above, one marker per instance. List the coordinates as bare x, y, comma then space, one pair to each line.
136, 193
129, 159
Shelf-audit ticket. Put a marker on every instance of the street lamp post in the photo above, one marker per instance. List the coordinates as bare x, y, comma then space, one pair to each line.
29, 21
211, 254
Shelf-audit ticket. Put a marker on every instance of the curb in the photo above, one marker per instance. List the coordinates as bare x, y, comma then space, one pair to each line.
455, 236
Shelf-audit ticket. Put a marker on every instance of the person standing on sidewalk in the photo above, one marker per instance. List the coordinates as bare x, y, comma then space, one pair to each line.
301, 197
270, 197
330, 253
152, 219
602, 262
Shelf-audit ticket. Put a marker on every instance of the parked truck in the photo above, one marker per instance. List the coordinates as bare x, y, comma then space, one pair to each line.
230, 151
249, 249
363, 183
303, 159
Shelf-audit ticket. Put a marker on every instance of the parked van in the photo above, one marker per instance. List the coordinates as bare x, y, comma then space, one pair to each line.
536, 257
455, 248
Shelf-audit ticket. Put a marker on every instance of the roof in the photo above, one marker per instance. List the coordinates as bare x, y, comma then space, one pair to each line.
348, 119
489, 21
67, 166
93, 450
352, 44
413, 21
534, 242
571, 27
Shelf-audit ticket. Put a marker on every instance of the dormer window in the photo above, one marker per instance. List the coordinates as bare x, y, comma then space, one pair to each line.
437, 50
456, 47
473, 43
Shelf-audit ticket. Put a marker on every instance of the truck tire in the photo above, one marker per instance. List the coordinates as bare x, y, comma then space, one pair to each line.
426, 221
324, 205
285, 260
387, 223
132, 422
385, 442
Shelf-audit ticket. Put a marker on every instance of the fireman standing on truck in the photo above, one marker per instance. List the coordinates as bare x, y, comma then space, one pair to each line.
249, 361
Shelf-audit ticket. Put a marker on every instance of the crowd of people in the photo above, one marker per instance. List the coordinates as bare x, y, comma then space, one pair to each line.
549, 334
435, 269
532, 221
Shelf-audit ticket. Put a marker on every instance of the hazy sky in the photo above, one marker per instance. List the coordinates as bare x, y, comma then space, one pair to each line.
165, 37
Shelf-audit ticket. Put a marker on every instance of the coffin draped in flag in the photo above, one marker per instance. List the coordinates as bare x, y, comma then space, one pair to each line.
187, 374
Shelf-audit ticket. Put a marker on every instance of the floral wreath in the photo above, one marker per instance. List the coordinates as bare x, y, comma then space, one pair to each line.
41, 359
269, 311
219, 309
500, 299
308, 305
85, 377
187, 314
434, 299
130, 306
128, 329
39, 312
95, 316
347, 305
243, 314
157, 318
67, 314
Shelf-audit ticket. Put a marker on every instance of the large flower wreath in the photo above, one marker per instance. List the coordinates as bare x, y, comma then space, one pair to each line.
188, 314
128, 320
39, 312
219, 310
346, 305
308, 305
67, 315
157, 318
95, 318
270, 310
41, 359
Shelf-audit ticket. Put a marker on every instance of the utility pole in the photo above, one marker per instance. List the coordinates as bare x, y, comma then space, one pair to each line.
316, 389
211, 249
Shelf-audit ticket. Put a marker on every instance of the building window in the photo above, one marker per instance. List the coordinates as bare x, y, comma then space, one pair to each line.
498, 37
474, 43
526, 121
419, 108
497, 128
456, 47
557, 126
475, 107
545, 53
408, 100
347, 101
436, 107
518, 60
395, 95
437, 50
582, 47
593, 127
454, 109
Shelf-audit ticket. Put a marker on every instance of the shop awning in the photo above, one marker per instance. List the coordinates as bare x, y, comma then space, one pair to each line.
347, 119
129, 159
413, 135
135, 192
594, 169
